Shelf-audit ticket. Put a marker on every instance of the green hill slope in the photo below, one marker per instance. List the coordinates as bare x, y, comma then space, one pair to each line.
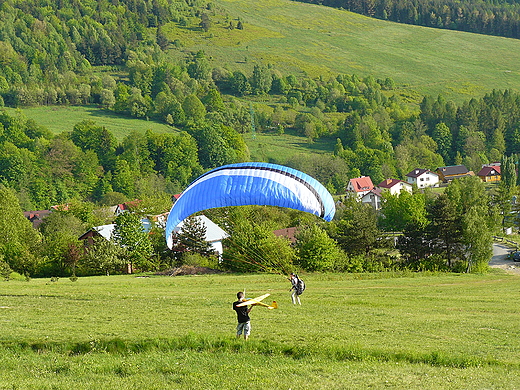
317, 40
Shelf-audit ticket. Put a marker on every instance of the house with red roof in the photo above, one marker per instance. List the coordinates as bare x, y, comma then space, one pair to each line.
360, 186
36, 217
490, 173
127, 206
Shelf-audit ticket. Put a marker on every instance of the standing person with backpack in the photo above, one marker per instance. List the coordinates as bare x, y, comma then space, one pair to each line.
298, 286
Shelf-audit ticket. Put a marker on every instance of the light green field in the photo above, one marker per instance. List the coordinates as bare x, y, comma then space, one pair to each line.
351, 332
63, 118
280, 148
298, 37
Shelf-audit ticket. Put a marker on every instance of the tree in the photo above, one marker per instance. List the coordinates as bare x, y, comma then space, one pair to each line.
478, 241
316, 251
261, 80
60, 232
213, 101
193, 108
129, 234
357, 232
19, 240
107, 98
507, 186
192, 238
444, 231
400, 210
253, 247
239, 84
88, 135
103, 257
124, 178
415, 246
200, 68
442, 136
205, 22
161, 38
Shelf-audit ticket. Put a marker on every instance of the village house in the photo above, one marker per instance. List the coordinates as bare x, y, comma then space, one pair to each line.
490, 173
422, 178
394, 186
289, 233
127, 206
449, 173
373, 198
360, 186
36, 217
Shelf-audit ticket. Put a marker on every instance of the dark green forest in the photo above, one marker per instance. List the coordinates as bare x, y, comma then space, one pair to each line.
490, 17
114, 55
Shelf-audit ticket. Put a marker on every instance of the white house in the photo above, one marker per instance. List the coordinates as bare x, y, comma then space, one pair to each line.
373, 198
423, 178
394, 186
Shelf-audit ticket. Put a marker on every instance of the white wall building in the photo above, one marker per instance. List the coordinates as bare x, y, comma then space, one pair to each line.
423, 178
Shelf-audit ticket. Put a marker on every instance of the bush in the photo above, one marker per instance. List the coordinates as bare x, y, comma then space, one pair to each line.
5, 270
197, 260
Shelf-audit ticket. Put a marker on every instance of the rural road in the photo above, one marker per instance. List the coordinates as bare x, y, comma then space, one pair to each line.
499, 259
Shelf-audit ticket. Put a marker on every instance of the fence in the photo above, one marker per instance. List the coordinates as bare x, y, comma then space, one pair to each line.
505, 240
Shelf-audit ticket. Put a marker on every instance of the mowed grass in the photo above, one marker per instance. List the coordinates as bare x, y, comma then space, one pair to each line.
281, 148
317, 40
63, 118
352, 331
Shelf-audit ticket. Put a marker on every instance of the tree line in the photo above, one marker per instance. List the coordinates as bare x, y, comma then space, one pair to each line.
501, 18
447, 233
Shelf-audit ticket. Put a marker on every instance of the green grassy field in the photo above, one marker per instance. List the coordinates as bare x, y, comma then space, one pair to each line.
352, 331
298, 37
280, 148
63, 118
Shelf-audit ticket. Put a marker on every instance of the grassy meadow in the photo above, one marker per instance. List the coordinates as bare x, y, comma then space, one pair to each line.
63, 118
318, 40
416, 331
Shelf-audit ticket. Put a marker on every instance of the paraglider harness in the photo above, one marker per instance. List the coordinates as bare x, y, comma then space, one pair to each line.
299, 286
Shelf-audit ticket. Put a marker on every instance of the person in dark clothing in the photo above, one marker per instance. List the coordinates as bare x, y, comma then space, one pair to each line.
296, 292
244, 322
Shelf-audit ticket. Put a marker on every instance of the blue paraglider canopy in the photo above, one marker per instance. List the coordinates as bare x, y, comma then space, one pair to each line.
251, 183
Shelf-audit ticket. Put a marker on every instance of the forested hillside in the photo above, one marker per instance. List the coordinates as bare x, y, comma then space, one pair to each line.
50, 52
500, 18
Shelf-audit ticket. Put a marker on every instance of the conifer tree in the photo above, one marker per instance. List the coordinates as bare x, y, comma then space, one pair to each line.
192, 238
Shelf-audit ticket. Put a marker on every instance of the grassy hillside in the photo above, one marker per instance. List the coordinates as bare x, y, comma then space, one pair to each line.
364, 331
299, 37
63, 118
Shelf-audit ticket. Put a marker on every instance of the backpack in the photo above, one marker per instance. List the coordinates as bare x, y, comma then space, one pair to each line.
300, 287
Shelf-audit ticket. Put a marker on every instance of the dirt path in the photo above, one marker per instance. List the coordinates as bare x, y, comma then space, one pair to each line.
499, 259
